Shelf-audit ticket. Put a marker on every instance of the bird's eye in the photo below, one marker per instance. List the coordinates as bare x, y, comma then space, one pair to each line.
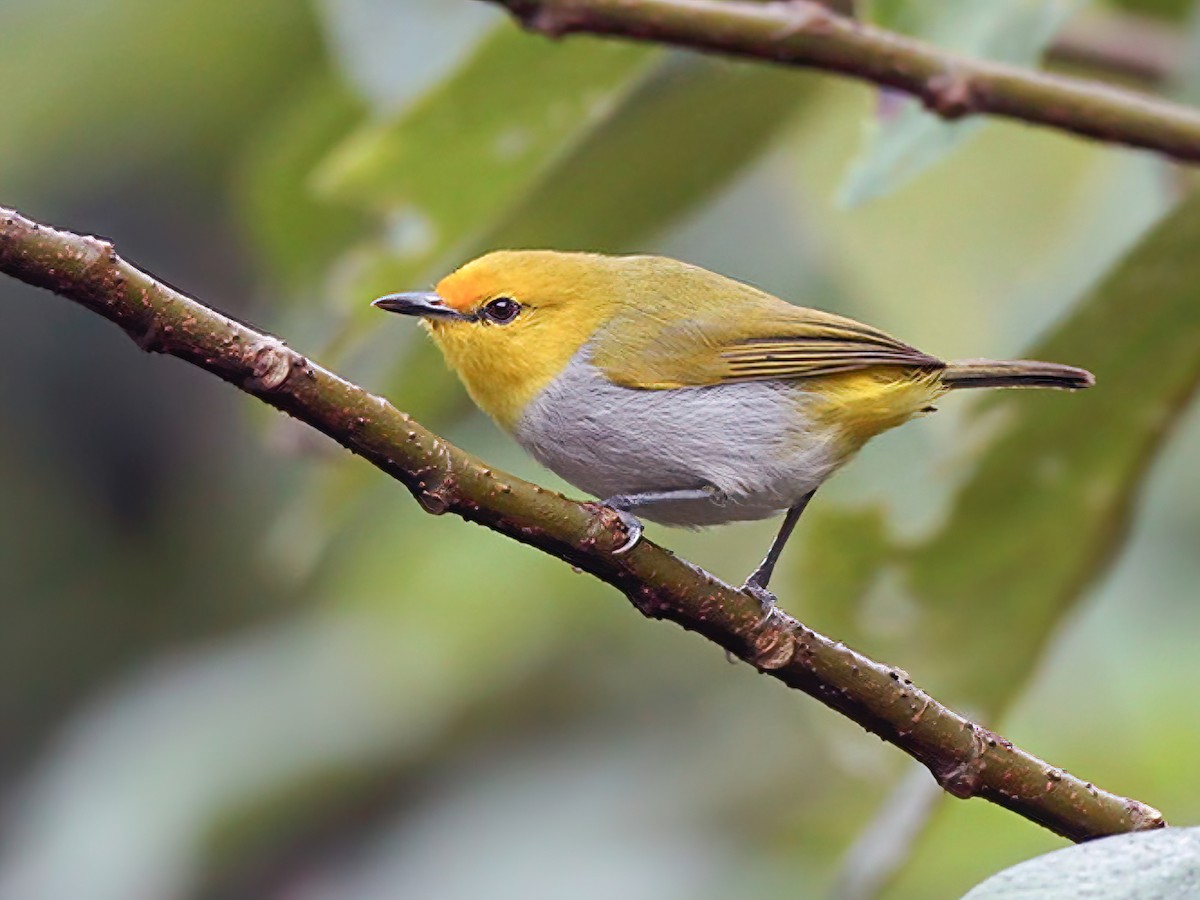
502, 310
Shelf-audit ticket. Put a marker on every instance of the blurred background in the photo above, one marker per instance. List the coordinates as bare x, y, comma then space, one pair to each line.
237, 663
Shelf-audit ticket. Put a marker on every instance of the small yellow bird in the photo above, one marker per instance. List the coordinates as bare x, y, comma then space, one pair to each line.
671, 390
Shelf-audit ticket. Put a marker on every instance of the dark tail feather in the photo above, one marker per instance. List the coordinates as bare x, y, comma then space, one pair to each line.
986, 373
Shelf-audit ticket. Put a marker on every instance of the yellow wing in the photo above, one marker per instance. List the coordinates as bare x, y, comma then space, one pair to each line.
749, 336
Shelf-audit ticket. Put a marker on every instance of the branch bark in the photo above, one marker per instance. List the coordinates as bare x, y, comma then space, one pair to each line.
807, 34
965, 758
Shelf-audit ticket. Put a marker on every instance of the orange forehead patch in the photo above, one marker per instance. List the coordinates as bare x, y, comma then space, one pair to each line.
462, 290
538, 277
477, 281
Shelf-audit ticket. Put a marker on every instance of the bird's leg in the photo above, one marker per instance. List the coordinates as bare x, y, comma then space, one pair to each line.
622, 504
756, 584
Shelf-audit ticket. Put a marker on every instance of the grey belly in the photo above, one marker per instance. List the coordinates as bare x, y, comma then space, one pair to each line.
753, 442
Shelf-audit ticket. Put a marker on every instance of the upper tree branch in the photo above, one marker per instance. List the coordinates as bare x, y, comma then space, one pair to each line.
966, 759
805, 33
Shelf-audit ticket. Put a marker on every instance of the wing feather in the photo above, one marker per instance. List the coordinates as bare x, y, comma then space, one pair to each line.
788, 358
748, 336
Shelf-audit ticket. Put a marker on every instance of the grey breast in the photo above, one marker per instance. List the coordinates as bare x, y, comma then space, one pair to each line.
752, 441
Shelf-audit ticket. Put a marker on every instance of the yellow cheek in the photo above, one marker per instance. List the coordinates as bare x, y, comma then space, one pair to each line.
504, 367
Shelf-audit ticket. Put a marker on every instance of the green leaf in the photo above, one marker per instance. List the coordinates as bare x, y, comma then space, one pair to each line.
843, 559
296, 234
130, 83
902, 139
1164, 863
461, 156
392, 52
1064, 472
908, 16
1176, 10
1061, 471
627, 181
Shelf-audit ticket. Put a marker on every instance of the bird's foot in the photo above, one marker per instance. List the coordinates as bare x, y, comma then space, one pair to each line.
765, 598
633, 530
629, 522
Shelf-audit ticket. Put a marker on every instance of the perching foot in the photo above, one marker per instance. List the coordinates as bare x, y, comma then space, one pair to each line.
633, 530
765, 598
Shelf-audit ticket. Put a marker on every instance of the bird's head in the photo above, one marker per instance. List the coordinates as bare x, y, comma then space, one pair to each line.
509, 322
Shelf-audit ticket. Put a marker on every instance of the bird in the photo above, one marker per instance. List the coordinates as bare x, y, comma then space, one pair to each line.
678, 395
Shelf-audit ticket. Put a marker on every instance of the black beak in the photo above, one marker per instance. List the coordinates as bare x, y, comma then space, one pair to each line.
426, 304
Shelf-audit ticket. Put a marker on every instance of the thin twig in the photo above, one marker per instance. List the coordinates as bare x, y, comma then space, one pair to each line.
966, 759
807, 34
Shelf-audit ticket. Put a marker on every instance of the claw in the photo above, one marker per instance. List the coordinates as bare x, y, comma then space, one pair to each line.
633, 530
765, 599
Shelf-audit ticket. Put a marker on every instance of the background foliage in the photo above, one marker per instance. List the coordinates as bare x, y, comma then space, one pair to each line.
235, 663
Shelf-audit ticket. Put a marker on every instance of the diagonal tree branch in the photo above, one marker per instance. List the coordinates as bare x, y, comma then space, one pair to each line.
807, 34
966, 759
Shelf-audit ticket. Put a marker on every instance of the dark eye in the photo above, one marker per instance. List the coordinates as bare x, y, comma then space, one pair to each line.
502, 310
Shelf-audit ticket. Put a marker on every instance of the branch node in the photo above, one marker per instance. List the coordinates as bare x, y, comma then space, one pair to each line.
920, 713
148, 340
544, 19
951, 94
436, 496
271, 362
433, 501
774, 648
606, 522
803, 17
549, 23
964, 777
1144, 817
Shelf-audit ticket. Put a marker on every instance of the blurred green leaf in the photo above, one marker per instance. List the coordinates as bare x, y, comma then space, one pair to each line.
126, 82
296, 234
435, 189
1064, 471
394, 52
1183, 85
1163, 863
907, 16
549, 92
1165, 9
1056, 484
903, 139
625, 183
843, 558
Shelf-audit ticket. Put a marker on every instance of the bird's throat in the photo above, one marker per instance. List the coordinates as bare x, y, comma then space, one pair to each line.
501, 377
